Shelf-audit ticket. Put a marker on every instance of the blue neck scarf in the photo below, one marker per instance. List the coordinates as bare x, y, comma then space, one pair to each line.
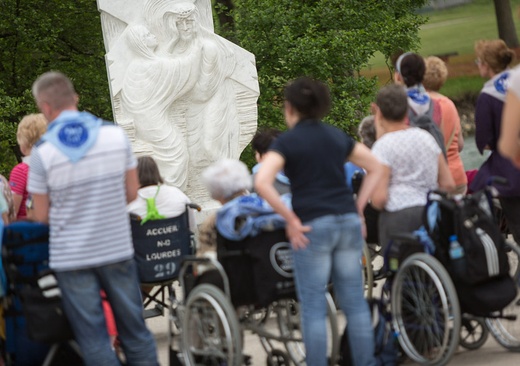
497, 86
73, 133
418, 99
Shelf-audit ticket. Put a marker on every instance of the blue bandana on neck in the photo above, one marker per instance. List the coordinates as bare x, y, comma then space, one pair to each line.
497, 86
73, 133
418, 99
418, 95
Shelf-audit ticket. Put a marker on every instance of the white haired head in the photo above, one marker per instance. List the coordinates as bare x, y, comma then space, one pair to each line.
226, 178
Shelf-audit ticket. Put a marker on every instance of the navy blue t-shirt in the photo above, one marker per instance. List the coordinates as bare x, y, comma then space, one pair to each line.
314, 154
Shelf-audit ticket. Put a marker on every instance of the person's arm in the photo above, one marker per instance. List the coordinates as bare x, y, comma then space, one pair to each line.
363, 157
451, 123
17, 202
4, 209
38, 188
41, 208
132, 184
274, 162
509, 142
444, 179
18, 184
380, 195
460, 140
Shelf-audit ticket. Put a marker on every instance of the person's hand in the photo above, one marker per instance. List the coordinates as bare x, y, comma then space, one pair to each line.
363, 227
296, 234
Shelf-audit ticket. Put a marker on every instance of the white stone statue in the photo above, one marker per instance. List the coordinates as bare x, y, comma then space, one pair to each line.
184, 95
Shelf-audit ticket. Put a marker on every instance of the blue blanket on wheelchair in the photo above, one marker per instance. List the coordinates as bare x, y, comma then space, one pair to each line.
249, 216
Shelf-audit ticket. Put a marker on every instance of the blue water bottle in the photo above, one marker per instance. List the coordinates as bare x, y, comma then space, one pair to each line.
457, 256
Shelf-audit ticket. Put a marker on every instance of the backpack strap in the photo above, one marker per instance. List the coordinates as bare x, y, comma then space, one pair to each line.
151, 209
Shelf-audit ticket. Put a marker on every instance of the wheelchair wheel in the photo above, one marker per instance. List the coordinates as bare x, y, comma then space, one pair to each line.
288, 317
425, 310
473, 332
368, 271
211, 333
506, 331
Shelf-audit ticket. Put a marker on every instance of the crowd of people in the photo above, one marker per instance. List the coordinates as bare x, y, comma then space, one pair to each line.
74, 159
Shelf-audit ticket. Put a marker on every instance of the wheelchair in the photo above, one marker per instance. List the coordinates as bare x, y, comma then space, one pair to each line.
249, 288
423, 302
417, 290
33, 316
504, 324
159, 247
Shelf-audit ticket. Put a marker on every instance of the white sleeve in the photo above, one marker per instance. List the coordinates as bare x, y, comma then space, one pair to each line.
37, 182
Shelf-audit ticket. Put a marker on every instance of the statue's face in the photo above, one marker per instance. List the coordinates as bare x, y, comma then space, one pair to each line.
185, 27
150, 40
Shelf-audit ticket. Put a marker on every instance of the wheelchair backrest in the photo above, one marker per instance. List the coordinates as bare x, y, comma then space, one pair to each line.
160, 246
259, 268
25, 249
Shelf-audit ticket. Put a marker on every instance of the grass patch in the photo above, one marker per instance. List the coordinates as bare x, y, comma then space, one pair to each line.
462, 85
456, 29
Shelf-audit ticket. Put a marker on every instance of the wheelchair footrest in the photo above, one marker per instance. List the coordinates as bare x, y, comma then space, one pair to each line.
154, 312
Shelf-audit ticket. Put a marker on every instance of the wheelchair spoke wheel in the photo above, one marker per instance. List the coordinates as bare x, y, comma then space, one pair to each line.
506, 330
368, 271
211, 333
425, 310
288, 318
473, 332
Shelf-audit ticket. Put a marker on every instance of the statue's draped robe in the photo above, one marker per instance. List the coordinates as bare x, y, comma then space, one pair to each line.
150, 86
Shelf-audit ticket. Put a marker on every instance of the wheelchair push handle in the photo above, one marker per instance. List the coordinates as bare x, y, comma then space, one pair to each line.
194, 206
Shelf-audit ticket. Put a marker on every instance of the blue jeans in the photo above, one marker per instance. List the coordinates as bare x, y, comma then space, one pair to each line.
82, 303
334, 252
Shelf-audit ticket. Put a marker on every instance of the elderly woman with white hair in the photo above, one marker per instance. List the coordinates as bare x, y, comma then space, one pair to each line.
242, 214
226, 179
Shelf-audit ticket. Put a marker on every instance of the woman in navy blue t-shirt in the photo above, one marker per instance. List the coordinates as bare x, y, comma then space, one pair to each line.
325, 225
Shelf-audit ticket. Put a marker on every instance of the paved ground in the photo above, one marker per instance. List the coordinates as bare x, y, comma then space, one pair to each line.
490, 354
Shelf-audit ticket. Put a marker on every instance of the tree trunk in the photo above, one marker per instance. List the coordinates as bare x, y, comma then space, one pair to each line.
505, 23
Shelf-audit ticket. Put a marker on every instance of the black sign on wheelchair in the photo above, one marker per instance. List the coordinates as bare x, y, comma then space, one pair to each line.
160, 246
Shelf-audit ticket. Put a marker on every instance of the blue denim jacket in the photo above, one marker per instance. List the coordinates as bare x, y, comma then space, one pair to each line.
248, 216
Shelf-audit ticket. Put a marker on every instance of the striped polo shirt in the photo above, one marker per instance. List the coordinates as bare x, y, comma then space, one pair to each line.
89, 226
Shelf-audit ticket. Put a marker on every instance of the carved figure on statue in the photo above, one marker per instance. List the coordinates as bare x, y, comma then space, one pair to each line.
151, 84
183, 94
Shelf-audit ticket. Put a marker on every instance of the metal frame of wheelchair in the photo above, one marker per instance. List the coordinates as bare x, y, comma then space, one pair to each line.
209, 330
159, 275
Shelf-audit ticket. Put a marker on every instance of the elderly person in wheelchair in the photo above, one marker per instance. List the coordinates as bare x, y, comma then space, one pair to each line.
155, 200
244, 272
229, 182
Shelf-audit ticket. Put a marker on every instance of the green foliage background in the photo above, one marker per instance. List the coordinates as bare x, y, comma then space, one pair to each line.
41, 35
331, 40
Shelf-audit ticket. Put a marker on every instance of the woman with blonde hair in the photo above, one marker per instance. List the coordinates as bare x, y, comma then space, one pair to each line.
434, 78
493, 60
30, 129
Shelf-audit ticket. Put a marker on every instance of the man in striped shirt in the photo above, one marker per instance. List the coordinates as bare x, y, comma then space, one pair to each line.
82, 175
